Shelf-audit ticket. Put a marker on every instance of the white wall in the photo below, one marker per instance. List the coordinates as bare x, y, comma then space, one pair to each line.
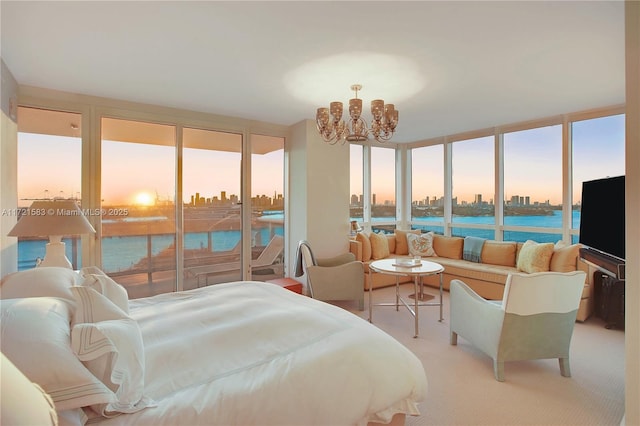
8, 170
632, 199
318, 193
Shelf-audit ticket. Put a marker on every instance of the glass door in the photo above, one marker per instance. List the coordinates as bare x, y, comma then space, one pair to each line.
49, 168
267, 207
212, 208
138, 224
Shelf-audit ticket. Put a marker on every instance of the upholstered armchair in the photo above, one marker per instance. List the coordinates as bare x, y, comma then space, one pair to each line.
336, 278
534, 320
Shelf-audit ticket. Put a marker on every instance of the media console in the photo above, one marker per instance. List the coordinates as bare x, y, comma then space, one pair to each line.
604, 262
608, 286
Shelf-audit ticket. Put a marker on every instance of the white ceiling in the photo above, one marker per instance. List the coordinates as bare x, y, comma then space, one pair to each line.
448, 66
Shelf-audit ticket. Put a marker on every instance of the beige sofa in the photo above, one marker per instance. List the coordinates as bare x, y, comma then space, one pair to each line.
487, 277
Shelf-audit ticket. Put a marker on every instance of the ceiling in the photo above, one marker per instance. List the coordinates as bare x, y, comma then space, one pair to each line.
449, 67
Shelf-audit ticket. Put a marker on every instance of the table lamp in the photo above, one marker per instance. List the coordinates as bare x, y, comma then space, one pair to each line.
53, 219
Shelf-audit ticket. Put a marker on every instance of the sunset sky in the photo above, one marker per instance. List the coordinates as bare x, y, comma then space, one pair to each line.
49, 166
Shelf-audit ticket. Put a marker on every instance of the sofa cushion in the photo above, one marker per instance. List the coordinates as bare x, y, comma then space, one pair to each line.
450, 247
366, 245
479, 271
379, 246
402, 244
421, 245
391, 242
535, 257
564, 258
499, 253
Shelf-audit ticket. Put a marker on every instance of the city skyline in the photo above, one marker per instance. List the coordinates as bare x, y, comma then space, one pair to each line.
598, 151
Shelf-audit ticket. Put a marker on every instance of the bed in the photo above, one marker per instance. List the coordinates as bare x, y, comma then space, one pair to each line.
236, 353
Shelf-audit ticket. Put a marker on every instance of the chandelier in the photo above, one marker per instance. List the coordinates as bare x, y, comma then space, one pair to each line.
333, 129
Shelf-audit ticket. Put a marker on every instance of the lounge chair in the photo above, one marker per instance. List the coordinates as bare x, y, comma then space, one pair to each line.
271, 257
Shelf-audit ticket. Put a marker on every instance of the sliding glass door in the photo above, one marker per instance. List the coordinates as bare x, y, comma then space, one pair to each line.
49, 167
212, 208
267, 207
138, 186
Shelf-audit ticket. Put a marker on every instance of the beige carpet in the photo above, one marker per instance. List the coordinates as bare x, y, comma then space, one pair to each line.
462, 390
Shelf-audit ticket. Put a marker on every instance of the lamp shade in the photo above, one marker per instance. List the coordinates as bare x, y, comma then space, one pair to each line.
52, 217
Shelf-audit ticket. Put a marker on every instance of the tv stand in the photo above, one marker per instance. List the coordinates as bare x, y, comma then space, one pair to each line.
608, 264
608, 295
608, 286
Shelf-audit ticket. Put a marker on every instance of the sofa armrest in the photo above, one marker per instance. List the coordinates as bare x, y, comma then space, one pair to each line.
355, 247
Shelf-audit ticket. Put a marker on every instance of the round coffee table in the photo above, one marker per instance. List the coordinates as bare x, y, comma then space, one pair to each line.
405, 267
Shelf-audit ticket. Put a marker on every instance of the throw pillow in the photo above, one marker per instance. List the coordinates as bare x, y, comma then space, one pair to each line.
499, 253
379, 246
52, 281
402, 244
450, 247
535, 257
109, 343
564, 258
421, 245
366, 245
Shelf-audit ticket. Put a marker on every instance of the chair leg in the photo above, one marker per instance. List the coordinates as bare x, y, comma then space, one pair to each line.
565, 371
498, 370
453, 338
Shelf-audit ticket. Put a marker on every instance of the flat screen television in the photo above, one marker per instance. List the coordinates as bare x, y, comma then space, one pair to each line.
602, 216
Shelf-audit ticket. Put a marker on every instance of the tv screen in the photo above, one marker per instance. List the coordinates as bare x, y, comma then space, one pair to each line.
602, 216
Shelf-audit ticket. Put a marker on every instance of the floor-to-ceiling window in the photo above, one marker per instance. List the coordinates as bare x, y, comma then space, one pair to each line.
598, 151
212, 211
267, 207
473, 183
138, 186
383, 189
533, 184
427, 188
49, 167
140, 171
527, 167
356, 180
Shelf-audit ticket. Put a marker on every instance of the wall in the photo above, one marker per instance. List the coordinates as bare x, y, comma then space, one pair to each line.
8, 169
318, 193
632, 198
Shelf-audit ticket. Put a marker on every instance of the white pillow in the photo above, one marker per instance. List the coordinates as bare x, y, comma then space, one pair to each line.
421, 245
110, 345
36, 338
534, 257
23, 402
104, 285
52, 281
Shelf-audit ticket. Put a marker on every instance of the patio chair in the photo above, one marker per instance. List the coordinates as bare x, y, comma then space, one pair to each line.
270, 257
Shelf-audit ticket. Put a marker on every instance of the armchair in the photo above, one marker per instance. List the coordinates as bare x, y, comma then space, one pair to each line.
534, 320
336, 278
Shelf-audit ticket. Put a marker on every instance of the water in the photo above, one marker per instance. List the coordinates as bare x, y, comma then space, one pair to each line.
121, 253
554, 221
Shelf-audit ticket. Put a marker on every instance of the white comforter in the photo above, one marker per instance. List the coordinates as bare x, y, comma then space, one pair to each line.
252, 353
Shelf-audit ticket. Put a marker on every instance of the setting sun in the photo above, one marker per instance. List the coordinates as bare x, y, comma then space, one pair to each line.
144, 199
